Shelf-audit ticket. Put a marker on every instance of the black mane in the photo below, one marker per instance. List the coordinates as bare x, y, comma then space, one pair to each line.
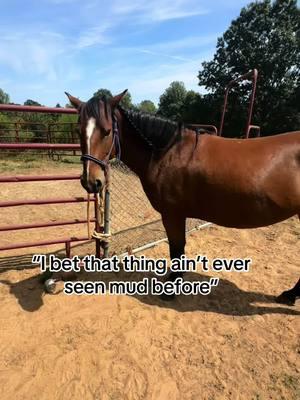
156, 131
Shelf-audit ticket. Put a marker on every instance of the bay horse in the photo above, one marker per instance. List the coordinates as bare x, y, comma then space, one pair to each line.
236, 183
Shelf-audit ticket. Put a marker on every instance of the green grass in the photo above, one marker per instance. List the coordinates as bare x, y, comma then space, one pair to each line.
16, 164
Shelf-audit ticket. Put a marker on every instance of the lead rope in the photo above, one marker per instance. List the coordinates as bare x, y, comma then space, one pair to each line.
99, 213
88, 216
100, 207
105, 237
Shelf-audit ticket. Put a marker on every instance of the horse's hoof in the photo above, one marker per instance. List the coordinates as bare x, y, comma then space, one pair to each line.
50, 285
286, 298
167, 297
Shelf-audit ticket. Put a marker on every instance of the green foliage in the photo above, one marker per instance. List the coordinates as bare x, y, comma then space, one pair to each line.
32, 127
192, 111
172, 101
179, 104
265, 36
30, 102
126, 102
4, 120
103, 92
147, 106
66, 130
4, 97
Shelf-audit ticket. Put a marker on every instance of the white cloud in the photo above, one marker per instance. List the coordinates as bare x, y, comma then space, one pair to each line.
61, 1
39, 56
32, 54
93, 36
155, 53
186, 42
158, 10
167, 49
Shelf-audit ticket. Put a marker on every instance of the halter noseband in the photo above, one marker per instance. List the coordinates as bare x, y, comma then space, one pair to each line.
104, 164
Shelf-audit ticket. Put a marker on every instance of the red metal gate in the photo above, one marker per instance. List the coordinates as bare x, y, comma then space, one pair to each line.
19, 179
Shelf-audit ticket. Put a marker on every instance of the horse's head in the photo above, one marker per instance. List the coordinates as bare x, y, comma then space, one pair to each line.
97, 138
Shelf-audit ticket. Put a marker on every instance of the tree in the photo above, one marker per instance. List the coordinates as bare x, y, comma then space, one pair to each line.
265, 36
37, 123
126, 102
172, 101
103, 92
30, 102
179, 104
4, 97
193, 110
4, 117
147, 106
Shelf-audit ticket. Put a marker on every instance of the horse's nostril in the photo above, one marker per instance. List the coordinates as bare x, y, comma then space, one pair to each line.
98, 185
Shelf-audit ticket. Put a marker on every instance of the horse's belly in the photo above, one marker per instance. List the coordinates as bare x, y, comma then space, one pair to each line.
253, 221
238, 213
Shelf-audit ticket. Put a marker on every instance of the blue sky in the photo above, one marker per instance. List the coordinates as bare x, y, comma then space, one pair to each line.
51, 46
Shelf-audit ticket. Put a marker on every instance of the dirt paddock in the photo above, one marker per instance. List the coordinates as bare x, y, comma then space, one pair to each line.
237, 343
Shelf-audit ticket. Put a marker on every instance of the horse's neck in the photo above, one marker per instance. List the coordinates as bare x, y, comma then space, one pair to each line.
134, 152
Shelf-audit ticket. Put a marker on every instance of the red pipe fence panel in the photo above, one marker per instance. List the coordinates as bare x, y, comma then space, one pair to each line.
19, 179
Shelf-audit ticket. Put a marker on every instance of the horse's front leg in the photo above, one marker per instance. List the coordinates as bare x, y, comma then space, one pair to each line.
175, 228
289, 296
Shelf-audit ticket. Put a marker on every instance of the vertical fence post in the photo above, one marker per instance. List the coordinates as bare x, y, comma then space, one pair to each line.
48, 134
252, 98
17, 132
68, 249
97, 226
72, 136
106, 220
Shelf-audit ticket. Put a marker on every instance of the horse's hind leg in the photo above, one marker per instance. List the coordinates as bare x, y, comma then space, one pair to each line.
289, 296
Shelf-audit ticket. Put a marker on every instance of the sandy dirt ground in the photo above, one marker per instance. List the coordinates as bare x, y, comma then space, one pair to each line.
237, 343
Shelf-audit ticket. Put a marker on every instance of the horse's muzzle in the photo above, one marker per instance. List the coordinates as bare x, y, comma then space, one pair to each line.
90, 186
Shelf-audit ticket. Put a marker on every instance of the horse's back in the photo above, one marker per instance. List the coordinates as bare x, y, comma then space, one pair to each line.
256, 178
260, 149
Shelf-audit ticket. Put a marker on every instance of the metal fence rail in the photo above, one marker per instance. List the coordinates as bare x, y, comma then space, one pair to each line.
19, 179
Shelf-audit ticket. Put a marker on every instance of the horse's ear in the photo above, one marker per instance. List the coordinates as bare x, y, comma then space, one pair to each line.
114, 101
74, 101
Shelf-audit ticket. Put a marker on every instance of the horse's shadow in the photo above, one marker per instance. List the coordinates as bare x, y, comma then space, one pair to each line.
226, 298
29, 292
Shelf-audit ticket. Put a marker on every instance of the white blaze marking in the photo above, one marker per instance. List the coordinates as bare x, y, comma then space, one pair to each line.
89, 132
